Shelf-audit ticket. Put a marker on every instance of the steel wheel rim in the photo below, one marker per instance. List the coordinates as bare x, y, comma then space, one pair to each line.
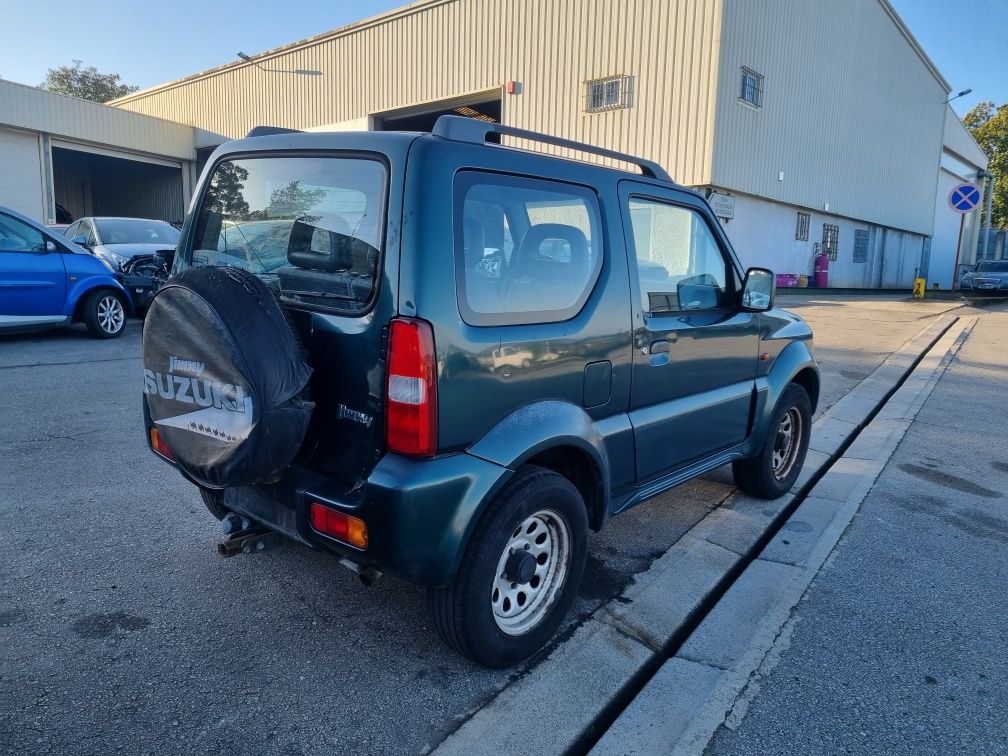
519, 608
110, 314
786, 443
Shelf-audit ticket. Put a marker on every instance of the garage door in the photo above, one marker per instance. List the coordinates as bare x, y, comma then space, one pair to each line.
21, 173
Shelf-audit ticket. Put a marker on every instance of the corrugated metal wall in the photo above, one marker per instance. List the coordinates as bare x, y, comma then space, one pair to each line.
851, 114
446, 48
30, 108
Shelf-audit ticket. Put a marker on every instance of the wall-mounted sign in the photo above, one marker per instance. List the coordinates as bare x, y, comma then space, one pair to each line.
723, 205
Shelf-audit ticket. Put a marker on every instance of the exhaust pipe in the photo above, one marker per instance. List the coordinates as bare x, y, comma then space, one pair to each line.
247, 541
368, 575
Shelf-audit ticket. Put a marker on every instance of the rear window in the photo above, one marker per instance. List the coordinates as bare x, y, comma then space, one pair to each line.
310, 226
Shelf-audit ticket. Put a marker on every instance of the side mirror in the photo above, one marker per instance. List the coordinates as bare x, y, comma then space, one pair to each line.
80, 239
759, 290
50, 246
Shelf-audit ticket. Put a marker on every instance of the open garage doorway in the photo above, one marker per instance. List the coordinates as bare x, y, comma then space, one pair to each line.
486, 107
91, 183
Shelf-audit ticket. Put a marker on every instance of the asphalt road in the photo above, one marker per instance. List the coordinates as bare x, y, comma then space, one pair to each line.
123, 630
899, 644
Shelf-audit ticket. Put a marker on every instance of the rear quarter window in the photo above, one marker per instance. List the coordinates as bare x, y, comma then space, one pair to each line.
310, 226
526, 250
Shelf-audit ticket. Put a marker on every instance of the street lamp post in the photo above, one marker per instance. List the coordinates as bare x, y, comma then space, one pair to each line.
297, 71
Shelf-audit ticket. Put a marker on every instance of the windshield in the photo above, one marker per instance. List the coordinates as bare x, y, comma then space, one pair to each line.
311, 225
136, 231
992, 266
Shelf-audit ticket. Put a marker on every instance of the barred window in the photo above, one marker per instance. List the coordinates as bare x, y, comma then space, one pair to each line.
610, 93
801, 232
831, 240
752, 87
860, 245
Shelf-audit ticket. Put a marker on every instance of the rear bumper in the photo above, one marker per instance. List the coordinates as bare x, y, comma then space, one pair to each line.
419, 513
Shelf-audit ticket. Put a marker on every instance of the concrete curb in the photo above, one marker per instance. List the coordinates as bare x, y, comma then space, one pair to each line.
716, 671
625, 640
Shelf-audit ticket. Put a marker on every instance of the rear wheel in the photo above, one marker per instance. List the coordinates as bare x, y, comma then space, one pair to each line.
776, 466
519, 574
105, 314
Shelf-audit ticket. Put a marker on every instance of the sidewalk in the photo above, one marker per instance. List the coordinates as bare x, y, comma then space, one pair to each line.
899, 645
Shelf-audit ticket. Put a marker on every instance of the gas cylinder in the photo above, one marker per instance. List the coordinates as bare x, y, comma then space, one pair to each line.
821, 270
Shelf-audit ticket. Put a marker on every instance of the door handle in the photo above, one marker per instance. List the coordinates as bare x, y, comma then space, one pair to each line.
661, 346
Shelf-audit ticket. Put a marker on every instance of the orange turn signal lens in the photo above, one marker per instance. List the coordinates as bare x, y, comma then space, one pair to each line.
159, 446
338, 525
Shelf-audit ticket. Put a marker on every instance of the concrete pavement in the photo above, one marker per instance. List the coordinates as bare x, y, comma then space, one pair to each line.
842, 672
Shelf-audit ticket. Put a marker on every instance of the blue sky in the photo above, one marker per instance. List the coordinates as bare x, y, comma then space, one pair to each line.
149, 43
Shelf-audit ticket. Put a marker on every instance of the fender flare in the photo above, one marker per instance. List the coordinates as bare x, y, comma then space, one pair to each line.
793, 359
80, 292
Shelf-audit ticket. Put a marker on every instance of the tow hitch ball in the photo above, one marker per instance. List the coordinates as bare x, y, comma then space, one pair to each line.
242, 537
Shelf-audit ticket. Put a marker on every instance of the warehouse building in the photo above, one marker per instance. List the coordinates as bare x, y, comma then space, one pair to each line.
809, 122
62, 155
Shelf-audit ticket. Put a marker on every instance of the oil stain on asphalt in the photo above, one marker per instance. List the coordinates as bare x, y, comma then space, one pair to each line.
949, 481
103, 624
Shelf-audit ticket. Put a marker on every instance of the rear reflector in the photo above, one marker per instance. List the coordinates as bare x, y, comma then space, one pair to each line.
159, 446
411, 389
338, 525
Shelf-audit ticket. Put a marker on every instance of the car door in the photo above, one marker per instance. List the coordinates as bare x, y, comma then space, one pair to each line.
32, 278
695, 350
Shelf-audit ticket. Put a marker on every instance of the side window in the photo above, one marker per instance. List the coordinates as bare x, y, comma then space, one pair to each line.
18, 236
71, 231
679, 263
527, 250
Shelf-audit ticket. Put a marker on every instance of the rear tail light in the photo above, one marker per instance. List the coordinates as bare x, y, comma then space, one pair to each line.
411, 389
338, 525
159, 446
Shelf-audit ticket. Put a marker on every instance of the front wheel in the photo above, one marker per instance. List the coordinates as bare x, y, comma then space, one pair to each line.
519, 574
105, 315
776, 466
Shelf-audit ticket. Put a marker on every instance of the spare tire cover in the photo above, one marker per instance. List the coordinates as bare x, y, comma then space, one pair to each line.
224, 377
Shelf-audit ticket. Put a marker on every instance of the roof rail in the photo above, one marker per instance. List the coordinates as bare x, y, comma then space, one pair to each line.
270, 131
462, 129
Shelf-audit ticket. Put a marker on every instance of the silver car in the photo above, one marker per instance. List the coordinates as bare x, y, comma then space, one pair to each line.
986, 275
119, 240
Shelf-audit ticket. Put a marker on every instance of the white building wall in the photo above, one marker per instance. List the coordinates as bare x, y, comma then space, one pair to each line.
763, 235
852, 110
21, 173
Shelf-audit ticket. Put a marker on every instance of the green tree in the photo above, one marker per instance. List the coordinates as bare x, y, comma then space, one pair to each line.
292, 201
86, 83
989, 126
226, 194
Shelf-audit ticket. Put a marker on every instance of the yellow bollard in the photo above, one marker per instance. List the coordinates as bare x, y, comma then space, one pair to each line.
920, 286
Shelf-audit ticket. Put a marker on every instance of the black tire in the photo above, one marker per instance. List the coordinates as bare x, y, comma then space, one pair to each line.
214, 501
756, 476
105, 314
463, 612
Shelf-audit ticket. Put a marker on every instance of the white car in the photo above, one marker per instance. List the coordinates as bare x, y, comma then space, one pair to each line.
119, 240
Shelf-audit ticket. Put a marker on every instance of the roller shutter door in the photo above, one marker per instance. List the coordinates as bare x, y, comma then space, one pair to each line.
21, 173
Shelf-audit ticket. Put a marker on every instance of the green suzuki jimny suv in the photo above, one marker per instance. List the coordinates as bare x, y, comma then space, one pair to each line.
447, 359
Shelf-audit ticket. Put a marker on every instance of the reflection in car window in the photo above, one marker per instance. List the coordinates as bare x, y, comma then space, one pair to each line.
679, 263
527, 250
18, 236
311, 226
136, 231
992, 266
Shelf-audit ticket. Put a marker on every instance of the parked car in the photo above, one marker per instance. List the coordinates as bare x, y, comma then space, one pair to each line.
986, 275
140, 248
338, 387
48, 281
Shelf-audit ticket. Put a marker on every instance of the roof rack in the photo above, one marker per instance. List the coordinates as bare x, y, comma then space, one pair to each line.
258, 131
462, 129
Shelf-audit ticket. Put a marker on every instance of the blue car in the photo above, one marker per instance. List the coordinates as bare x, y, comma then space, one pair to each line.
47, 281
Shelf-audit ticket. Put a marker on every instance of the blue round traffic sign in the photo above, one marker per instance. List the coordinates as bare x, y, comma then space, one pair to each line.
964, 198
